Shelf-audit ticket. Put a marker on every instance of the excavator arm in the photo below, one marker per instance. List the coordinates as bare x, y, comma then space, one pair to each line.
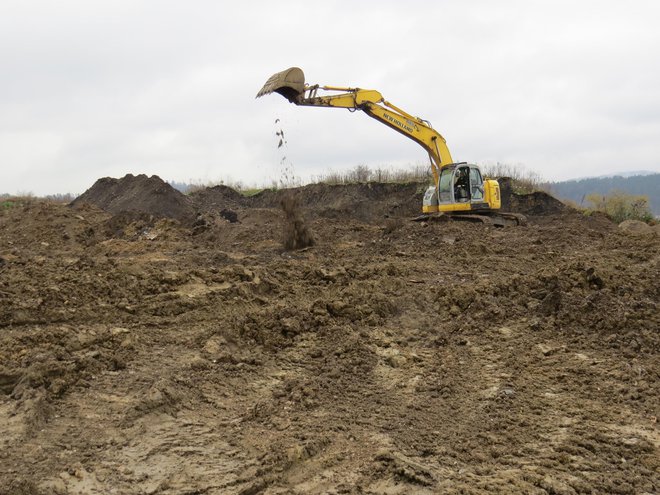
290, 84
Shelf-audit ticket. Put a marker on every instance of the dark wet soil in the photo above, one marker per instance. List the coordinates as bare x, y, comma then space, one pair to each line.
185, 353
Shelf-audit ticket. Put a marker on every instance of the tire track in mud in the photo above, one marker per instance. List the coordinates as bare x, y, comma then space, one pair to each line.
163, 436
531, 376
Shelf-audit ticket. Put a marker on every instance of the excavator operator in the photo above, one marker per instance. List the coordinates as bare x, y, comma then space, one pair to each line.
461, 185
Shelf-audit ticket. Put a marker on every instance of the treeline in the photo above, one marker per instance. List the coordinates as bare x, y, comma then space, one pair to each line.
357, 174
58, 198
579, 191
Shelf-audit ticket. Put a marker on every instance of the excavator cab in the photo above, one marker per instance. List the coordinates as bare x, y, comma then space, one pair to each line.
468, 184
461, 187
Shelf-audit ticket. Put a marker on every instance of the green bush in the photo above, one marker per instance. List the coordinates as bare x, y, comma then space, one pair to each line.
620, 206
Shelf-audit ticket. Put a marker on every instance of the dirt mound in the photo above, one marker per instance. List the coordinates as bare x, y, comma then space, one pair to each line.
150, 195
218, 198
636, 227
371, 202
538, 203
368, 202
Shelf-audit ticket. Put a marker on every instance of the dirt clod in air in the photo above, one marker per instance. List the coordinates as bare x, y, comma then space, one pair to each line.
296, 234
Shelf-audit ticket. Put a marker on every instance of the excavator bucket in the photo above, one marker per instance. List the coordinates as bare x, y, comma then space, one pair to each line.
289, 83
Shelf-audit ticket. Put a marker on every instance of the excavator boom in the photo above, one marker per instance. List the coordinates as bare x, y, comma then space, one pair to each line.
290, 84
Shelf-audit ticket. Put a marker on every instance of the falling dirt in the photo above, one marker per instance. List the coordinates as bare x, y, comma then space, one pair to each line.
143, 352
296, 234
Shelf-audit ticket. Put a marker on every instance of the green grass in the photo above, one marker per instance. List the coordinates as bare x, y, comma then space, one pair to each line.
363, 174
251, 192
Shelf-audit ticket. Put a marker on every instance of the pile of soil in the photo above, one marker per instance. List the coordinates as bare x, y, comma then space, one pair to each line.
367, 202
636, 227
218, 198
535, 203
390, 357
142, 194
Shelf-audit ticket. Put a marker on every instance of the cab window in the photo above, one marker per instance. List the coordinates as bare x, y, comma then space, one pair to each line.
445, 185
476, 184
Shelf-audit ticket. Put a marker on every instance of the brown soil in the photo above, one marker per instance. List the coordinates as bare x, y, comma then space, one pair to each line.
141, 354
141, 194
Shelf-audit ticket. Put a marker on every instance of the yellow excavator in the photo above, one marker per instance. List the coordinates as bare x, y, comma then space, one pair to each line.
459, 190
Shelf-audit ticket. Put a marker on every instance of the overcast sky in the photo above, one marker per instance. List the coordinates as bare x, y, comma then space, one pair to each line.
91, 89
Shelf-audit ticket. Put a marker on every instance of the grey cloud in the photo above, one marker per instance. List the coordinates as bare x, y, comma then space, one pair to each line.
94, 89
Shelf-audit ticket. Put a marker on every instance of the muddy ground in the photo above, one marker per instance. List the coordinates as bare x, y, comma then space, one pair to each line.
144, 355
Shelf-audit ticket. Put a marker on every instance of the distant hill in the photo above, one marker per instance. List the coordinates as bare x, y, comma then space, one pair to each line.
621, 174
577, 190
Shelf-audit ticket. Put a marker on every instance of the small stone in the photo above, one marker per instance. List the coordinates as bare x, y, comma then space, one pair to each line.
295, 453
505, 331
546, 350
396, 360
507, 392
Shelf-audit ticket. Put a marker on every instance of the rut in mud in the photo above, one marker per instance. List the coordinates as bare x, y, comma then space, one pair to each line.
140, 353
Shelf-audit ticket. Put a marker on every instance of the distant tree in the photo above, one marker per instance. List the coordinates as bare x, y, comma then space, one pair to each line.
61, 198
360, 173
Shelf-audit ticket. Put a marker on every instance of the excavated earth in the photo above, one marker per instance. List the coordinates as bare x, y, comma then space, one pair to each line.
170, 345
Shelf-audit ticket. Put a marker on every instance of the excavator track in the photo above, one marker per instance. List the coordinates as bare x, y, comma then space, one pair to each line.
496, 219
